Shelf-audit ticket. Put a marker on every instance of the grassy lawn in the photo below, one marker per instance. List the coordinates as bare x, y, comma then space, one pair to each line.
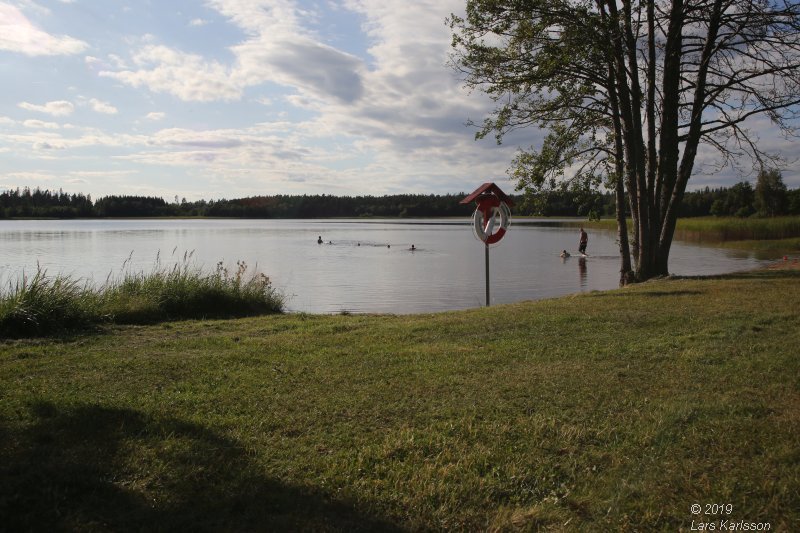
603, 411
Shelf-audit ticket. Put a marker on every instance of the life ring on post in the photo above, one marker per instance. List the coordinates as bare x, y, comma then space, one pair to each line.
484, 219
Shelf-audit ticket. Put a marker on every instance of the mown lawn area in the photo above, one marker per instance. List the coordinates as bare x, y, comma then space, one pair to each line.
604, 411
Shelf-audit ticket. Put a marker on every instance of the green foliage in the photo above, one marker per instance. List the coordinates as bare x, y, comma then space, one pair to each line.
793, 201
771, 197
736, 201
39, 304
43, 203
575, 197
44, 305
539, 77
130, 206
184, 291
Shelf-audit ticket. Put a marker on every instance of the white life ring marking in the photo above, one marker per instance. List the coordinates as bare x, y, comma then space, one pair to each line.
485, 229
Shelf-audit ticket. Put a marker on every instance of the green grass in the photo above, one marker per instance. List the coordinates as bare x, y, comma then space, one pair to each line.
47, 305
598, 412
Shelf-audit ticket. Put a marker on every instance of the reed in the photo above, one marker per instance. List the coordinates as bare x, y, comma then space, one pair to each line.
43, 305
185, 291
728, 229
38, 304
720, 229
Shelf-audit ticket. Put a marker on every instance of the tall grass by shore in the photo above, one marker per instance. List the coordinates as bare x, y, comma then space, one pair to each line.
723, 229
737, 229
42, 304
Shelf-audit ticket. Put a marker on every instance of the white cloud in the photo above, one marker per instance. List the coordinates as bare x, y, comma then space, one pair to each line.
112, 61
39, 124
187, 76
23, 177
155, 116
58, 108
198, 22
18, 34
102, 107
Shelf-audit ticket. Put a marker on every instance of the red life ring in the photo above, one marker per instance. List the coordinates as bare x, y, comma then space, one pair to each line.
484, 219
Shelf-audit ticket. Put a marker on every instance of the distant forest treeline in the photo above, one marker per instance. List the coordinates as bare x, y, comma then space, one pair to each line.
739, 200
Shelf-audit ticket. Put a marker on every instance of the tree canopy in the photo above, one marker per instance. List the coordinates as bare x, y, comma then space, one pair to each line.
628, 93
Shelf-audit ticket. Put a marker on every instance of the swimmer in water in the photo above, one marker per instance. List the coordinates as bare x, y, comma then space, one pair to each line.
319, 239
564, 253
413, 248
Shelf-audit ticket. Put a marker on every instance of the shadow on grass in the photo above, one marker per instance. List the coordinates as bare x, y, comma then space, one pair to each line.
647, 294
765, 274
81, 469
762, 274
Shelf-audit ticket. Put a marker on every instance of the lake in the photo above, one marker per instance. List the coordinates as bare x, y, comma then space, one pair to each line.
363, 266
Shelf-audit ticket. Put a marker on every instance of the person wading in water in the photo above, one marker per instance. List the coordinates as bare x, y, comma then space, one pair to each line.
583, 242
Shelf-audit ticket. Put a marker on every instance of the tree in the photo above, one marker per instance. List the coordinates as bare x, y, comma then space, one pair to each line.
737, 201
630, 91
771, 197
793, 198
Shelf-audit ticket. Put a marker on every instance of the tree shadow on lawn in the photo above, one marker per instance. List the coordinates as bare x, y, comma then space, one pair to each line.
648, 294
76, 469
765, 274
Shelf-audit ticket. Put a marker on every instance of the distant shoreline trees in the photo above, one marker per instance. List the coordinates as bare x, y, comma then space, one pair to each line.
770, 197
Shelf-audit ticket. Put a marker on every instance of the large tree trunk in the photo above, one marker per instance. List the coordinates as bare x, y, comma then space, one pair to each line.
626, 274
625, 270
676, 177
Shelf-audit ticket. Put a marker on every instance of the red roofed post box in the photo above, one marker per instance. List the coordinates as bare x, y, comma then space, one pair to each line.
492, 204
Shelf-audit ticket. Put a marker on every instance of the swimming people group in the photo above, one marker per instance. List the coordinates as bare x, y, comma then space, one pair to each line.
582, 243
320, 241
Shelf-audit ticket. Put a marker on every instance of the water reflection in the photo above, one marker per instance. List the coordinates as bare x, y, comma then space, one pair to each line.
582, 272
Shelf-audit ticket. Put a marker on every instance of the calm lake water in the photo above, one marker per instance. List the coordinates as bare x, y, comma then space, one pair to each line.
364, 266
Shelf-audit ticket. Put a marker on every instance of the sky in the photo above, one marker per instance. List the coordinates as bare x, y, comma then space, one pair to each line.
212, 99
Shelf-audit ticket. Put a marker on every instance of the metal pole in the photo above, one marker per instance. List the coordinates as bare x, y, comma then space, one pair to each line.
487, 275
